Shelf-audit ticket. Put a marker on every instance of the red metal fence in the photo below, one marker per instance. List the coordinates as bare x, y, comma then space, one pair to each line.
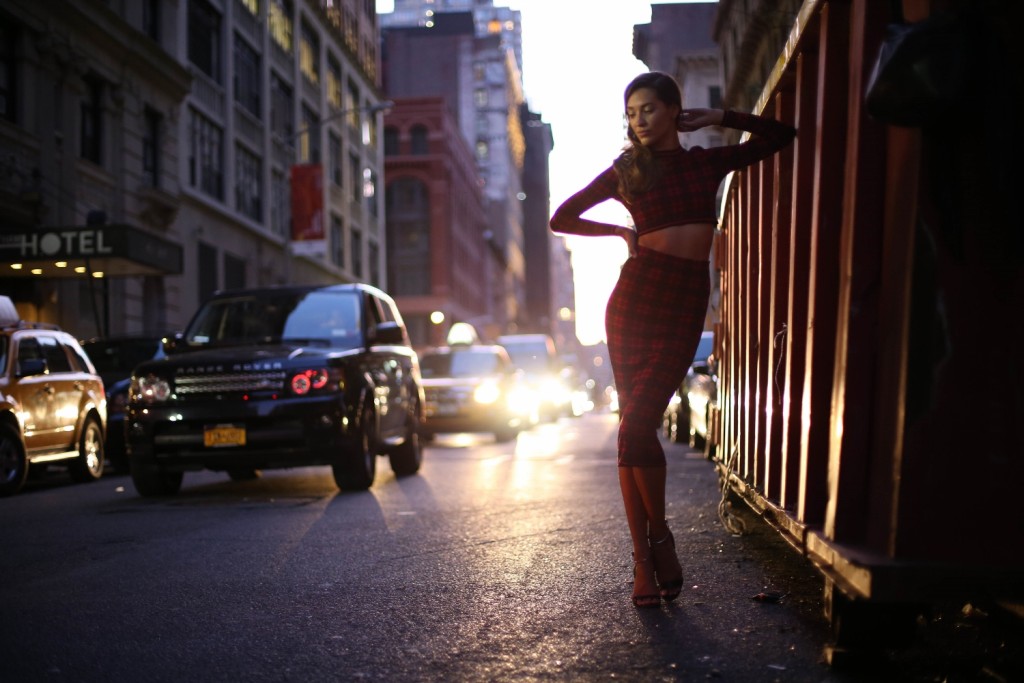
871, 382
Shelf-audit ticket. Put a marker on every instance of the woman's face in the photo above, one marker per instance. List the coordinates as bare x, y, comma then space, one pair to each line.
651, 120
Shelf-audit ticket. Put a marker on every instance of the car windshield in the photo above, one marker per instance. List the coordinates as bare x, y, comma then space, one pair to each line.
531, 357
704, 348
458, 364
330, 318
120, 356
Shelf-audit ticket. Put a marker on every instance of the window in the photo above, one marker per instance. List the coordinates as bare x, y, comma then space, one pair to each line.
408, 235
92, 120
309, 139
374, 256
280, 211
419, 140
480, 97
370, 190
482, 150
204, 38
151, 147
390, 141
282, 117
280, 22
151, 19
53, 352
206, 156
337, 241
252, 5
715, 97
247, 76
334, 83
248, 181
355, 172
309, 53
8, 91
207, 270
357, 253
352, 104
334, 152
234, 272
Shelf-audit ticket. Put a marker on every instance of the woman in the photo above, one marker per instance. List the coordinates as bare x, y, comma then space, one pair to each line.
656, 312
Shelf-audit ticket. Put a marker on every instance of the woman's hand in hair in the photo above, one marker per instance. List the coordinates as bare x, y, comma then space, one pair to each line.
694, 119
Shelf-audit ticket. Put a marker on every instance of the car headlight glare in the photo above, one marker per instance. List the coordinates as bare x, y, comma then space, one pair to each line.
150, 389
487, 393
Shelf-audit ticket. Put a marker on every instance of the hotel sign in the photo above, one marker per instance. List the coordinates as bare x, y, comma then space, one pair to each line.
67, 244
112, 249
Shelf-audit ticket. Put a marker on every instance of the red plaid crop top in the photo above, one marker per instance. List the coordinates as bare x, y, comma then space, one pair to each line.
687, 183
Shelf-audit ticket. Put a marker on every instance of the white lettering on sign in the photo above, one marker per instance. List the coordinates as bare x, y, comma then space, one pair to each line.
72, 242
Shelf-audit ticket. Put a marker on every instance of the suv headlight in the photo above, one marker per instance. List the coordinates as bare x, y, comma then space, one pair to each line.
150, 389
487, 393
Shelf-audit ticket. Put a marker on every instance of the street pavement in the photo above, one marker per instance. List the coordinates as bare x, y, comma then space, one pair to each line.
498, 562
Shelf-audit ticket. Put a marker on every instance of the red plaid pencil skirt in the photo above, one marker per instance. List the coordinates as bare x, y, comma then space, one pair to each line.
653, 321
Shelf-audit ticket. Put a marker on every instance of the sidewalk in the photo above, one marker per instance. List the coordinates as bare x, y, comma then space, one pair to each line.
958, 642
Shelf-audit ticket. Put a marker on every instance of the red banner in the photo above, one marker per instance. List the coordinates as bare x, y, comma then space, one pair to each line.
307, 202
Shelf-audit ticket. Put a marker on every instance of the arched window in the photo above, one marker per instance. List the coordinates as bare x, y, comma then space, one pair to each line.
419, 140
391, 141
408, 225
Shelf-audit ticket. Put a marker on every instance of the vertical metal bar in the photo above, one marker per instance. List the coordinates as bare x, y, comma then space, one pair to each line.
804, 149
762, 331
750, 207
778, 301
827, 219
850, 507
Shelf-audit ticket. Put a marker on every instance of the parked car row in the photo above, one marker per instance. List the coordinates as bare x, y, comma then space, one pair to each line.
264, 378
686, 416
260, 378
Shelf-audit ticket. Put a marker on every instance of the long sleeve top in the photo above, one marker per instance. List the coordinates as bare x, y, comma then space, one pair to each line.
688, 180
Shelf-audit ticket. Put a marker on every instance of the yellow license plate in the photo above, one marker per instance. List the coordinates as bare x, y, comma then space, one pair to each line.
224, 435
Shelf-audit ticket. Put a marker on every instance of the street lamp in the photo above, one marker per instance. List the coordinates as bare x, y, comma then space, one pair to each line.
306, 186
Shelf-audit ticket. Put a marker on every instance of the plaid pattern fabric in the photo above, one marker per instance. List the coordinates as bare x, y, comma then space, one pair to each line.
654, 319
689, 179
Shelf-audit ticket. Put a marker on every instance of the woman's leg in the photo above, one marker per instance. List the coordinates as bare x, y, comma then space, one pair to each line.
645, 585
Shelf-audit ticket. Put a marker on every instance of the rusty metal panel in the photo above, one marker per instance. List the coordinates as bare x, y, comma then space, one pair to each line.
879, 249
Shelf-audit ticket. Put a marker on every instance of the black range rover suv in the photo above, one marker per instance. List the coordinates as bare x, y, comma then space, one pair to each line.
279, 377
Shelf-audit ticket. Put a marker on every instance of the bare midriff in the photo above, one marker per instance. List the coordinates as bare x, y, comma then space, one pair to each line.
689, 241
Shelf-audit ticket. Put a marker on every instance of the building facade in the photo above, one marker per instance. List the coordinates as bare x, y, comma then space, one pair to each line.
438, 254
164, 171
680, 41
470, 58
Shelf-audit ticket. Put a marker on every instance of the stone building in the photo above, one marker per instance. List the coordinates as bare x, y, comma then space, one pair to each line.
147, 151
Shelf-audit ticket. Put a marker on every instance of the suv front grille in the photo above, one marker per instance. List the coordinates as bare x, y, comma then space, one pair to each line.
194, 385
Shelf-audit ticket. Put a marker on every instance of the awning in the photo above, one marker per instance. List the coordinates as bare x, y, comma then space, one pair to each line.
101, 250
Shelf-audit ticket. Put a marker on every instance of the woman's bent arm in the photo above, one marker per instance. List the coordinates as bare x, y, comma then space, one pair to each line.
568, 218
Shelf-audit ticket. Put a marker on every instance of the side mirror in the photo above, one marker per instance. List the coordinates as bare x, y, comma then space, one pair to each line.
389, 333
32, 366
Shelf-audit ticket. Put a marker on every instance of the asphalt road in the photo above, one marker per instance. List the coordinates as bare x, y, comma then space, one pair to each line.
495, 563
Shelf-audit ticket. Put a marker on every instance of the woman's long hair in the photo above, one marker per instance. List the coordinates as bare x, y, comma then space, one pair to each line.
635, 166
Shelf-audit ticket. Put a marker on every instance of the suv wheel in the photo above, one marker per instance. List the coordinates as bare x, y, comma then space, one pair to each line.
150, 480
359, 465
88, 466
407, 458
13, 462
